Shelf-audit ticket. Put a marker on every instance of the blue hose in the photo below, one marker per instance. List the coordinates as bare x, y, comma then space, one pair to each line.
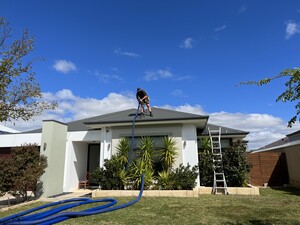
53, 216
132, 136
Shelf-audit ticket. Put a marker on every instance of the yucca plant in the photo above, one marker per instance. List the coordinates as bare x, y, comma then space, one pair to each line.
165, 180
168, 153
137, 169
147, 149
123, 149
205, 145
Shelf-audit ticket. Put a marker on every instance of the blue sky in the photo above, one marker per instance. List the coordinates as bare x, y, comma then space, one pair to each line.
188, 56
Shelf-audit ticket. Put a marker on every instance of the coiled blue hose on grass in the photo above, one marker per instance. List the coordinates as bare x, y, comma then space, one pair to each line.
56, 215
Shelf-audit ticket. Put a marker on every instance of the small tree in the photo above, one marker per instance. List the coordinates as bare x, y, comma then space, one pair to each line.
22, 170
20, 94
236, 166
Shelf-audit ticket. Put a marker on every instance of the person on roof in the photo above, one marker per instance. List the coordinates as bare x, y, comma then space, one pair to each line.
143, 98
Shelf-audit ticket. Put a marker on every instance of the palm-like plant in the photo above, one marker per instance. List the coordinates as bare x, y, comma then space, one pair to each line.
165, 180
147, 150
137, 169
169, 153
206, 145
123, 149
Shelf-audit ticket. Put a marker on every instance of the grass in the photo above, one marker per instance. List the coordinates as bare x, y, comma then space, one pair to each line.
273, 206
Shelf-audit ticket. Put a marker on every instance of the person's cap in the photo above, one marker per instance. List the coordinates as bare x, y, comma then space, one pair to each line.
138, 89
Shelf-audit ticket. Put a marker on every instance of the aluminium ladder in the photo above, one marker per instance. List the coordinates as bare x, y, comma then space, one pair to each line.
219, 176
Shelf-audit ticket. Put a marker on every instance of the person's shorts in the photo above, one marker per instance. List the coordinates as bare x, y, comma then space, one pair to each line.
145, 101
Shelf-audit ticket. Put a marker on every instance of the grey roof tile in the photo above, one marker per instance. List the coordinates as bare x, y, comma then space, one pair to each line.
126, 116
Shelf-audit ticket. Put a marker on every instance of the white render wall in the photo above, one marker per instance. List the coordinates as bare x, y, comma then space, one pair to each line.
106, 145
190, 146
53, 146
14, 140
76, 156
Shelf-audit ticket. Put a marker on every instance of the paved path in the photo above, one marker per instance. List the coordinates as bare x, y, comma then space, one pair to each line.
9, 199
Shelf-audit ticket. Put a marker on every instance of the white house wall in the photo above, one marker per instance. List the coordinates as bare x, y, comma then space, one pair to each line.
190, 146
76, 164
106, 145
54, 148
76, 156
13, 140
190, 149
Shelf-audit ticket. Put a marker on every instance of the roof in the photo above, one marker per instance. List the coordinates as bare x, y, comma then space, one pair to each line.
160, 116
4, 132
290, 140
224, 130
126, 117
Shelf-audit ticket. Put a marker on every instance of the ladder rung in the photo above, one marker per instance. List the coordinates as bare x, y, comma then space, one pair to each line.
214, 131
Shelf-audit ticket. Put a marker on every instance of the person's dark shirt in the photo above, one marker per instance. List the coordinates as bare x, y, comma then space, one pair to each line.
140, 94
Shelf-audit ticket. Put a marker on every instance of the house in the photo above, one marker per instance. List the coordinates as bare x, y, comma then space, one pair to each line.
80, 146
282, 160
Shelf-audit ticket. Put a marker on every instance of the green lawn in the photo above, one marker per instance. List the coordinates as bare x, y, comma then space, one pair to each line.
273, 206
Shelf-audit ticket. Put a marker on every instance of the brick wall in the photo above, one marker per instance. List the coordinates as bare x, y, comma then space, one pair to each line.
268, 167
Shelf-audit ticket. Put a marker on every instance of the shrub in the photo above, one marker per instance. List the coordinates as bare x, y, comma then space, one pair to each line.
206, 170
22, 170
236, 166
185, 177
110, 176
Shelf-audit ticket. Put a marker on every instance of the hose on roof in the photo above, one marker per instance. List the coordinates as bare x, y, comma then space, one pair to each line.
55, 215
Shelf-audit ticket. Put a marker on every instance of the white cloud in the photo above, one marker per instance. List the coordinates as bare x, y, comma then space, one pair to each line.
129, 54
181, 78
158, 74
264, 129
196, 109
64, 66
217, 29
188, 43
106, 78
242, 9
178, 93
292, 28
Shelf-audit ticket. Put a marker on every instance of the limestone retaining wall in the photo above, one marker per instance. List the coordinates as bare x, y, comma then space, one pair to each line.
174, 193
